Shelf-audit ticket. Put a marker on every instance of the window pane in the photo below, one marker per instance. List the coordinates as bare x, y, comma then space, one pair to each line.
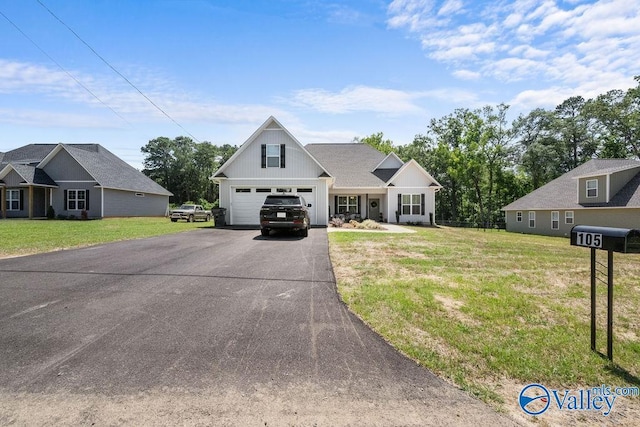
273, 162
415, 210
71, 194
415, 198
273, 150
72, 204
81, 194
342, 200
406, 210
406, 199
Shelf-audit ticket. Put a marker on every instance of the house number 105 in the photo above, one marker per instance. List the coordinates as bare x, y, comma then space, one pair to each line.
591, 240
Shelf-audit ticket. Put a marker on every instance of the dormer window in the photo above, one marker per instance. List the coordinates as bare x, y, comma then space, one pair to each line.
592, 188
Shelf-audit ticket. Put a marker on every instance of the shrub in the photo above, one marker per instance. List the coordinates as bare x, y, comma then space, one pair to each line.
84, 214
336, 222
369, 224
51, 213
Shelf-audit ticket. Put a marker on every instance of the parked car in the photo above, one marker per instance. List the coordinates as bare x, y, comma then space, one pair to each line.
285, 212
190, 213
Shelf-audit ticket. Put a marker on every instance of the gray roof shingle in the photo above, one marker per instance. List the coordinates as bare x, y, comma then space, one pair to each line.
561, 193
352, 164
107, 169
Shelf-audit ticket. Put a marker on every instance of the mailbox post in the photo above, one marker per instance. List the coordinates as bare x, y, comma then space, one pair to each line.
612, 240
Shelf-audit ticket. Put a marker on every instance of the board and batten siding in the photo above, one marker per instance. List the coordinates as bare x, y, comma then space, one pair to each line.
298, 163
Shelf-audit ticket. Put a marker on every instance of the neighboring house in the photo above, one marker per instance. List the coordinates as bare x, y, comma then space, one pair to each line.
74, 178
601, 192
352, 180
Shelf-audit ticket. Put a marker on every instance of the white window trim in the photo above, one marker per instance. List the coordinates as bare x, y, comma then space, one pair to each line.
411, 205
348, 205
519, 216
567, 215
556, 220
76, 199
532, 217
11, 199
595, 188
272, 156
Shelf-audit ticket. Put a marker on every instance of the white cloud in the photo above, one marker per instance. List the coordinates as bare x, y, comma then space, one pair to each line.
467, 74
583, 44
359, 99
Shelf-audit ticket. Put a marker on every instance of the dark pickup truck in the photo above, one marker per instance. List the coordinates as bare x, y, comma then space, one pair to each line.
285, 212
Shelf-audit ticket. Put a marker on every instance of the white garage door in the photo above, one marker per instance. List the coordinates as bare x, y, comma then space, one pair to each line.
246, 203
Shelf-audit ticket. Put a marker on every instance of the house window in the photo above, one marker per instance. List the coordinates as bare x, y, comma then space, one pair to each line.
555, 220
568, 217
592, 188
13, 200
348, 204
532, 220
76, 200
411, 204
518, 216
273, 155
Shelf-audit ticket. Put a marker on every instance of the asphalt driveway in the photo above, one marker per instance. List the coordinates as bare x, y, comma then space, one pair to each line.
209, 327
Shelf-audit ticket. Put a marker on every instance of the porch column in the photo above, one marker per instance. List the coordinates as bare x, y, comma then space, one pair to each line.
3, 201
31, 202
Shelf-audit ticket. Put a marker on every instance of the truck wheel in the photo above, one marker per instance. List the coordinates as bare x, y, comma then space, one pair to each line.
174, 220
264, 232
208, 218
190, 219
304, 232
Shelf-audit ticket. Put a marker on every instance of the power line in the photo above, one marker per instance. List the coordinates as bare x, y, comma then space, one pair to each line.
62, 68
115, 70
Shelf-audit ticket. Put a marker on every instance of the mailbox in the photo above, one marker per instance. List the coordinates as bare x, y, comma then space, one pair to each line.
623, 240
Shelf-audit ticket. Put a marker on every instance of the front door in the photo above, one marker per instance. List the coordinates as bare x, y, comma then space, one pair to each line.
374, 209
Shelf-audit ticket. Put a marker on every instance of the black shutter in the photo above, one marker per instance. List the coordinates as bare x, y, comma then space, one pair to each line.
64, 208
399, 204
335, 201
263, 152
422, 196
282, 151
359, 200
86, 200
21, 200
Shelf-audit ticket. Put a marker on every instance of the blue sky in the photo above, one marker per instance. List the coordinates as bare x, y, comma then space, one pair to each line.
328, 71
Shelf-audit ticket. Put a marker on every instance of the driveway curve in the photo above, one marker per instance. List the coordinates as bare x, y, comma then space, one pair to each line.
208, 327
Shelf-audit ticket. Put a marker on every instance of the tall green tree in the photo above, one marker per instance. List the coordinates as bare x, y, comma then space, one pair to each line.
185, 167
377, 141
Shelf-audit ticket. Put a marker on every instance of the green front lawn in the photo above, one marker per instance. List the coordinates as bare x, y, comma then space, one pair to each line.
23, 237
489, 310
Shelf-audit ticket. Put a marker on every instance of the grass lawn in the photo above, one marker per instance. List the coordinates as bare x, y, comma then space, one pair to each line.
23, 237
493, 311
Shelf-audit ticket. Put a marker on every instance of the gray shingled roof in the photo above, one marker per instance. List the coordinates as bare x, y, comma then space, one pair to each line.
561, 193
33, 175
107, 169
352, 164
112, 172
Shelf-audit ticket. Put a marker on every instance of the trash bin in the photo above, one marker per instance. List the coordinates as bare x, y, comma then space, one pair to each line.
218, 217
